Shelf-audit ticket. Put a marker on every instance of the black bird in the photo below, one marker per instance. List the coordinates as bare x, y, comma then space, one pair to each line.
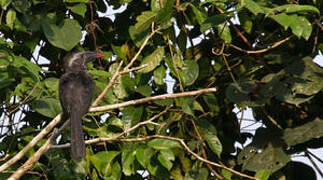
75, 93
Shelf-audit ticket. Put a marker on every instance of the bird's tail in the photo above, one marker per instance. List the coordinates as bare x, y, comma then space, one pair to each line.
77, 137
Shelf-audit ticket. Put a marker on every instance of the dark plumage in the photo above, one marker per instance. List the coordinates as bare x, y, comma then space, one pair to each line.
75, 93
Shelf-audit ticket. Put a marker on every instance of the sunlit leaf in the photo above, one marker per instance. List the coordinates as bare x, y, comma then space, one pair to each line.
79, 9
163, 144
65, 36
144, 20
102, 161
152, 60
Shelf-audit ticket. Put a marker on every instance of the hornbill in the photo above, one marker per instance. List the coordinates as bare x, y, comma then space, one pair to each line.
75, 93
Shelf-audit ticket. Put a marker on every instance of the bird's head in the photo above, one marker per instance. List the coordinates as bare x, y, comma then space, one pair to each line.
76, 61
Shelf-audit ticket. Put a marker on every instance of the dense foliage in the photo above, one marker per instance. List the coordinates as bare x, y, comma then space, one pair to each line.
256, 53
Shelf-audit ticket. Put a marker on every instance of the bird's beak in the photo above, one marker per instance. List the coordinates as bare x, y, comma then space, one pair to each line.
90, 55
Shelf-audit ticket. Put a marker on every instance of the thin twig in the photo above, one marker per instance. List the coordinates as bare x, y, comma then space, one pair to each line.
133, 69
204, 152
175, 66
317, 158
272, 120
276, 44
142, 47
314, 164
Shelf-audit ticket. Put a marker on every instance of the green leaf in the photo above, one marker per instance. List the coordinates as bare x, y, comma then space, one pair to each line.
212, 102
189, 72
187, 104
79, 167
263, 174
116, 172
306, 132
131, 115
159, 75
197, 106
5, 3
200, 174
164, 16
48, 107
163, 144
100, 73
120, 52
22, 5
51, 83
152, 60
242, 94
27, 66
209, 133
66, 35
270, 158
295, 8
226, 174
301, 27
102, 161
138, 37
164, 102
246, 22
144, 21
144, 90
295, 84
224, 32
6, 79
79, 9
284, 19
128, 158
157, 170
77, 1
165, 157
11, 18
182, 41
116, 122
176, 173
266, 152
252, 7
212, 21
157, 5
200, 14
125, 87
143, 155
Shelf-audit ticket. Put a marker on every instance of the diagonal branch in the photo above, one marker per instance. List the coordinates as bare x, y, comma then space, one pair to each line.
274, 45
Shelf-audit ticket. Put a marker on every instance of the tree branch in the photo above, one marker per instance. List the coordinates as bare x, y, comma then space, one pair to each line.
153, 98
